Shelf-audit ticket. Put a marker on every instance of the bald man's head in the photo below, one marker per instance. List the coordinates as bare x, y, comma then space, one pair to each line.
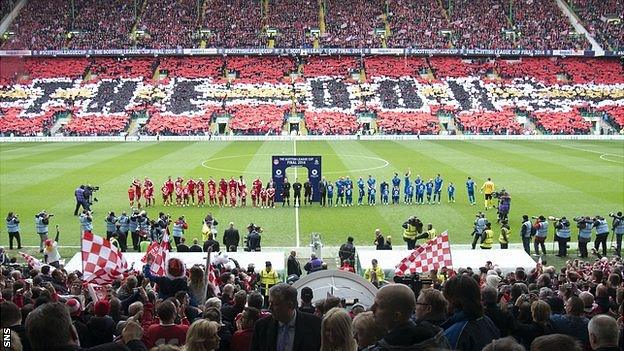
394, 304
603, 331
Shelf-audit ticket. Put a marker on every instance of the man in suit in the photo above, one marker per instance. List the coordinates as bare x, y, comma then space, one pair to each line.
322, 188
293, 267
231, 238
286, 329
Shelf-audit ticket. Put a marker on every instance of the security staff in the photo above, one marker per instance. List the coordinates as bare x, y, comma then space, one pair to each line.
412, 231
562, 236
268, 278
479, 227
488, 237
297, 192
618, 230
503, 238
42, 219
13, 228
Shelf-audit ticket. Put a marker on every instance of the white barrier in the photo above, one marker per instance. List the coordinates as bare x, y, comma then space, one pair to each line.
507, 260
192, 258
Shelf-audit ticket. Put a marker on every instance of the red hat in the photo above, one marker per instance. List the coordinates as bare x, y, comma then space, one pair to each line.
101, 308
175, 268
74, 307
48, 242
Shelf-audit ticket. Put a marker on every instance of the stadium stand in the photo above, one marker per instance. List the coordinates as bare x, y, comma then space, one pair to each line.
260, 70
115, 68
293, 19
236, 23
394, 67
45, 18
159, 123
328, 123
350, 24
556, 122
417, 24
340, 66
6, 6
12, 123
192, 67
168, 24
487, 17
407, 123
488, 122
102, 24
603, 19
87, 125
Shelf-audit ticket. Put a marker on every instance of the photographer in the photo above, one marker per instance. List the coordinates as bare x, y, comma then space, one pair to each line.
42, 220
618, 230
80, 202
87, 194
252, 241
134, 229
479, 227
585, 225
412, 231
12, 223
124, 227
541, 232
111, 221
178, 230
602, 233
562, 235
526, 233
86, 221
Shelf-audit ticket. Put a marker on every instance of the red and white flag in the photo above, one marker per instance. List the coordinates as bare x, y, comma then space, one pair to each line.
32, 262
434, 254
102, 262
158, 254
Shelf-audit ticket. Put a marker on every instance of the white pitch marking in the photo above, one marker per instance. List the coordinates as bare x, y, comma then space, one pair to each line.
296, 207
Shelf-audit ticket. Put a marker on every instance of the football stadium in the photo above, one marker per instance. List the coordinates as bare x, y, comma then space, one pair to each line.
312, 175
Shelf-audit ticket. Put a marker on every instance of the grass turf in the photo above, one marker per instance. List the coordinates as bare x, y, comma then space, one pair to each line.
560, 178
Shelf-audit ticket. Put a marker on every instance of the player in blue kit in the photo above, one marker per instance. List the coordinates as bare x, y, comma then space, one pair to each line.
410, 194
385, 191
371, 196
470, 187
451, 192
395, 195
348, 184
406, 184
420, 194
360, 184
340, 192
429, 187
330, 194
437, 188
371, 182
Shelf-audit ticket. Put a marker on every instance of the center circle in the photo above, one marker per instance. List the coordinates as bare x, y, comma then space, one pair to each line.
206, 164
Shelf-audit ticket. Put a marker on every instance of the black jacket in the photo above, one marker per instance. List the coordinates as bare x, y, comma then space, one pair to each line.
231, 237
211, 243
182, 248
134, 345
412, 336
195, 248
307, 333
502, 319
101, 330
293, 267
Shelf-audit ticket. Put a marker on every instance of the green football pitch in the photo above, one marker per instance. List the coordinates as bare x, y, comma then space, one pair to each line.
559, 178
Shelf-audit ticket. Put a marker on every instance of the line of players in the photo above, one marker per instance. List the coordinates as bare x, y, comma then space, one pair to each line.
183, 193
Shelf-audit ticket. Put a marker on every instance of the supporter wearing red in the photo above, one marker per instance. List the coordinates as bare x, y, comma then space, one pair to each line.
241, 340
166, 332
174, 281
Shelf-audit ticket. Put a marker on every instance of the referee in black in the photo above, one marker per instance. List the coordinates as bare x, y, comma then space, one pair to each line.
297, 192
307, 192
286, 193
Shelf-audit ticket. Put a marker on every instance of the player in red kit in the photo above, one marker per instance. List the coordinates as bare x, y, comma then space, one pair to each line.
255, 191
221, 198
233, 188
223, 186
243, 197
186, 195
170, 188
212, 192
271, 197
178, 192
150, 195
146, 196
147, 182
263, 198
201, 197
137, 190
165, 194
131, 195
233, 197
190, 184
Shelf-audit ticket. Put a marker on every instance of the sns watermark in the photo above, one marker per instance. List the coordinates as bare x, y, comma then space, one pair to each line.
6, 339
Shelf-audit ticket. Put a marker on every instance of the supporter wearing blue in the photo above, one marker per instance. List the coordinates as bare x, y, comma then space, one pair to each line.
406, 183
437, 190
451, 192
361, 192
385, 192
330, 194
429, 187
340, 192
470, 187
395, 195
420, 194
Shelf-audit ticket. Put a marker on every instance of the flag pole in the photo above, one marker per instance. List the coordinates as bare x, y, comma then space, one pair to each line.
450, 251
81, 251
207, 271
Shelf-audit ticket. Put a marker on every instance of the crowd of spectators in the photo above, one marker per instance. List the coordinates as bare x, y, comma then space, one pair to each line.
407, 123
542, 26
293, 19
115, 68
395, 67
331, 123
94, 125
257, 119
6, 6
193, 67
260, 70
351, 24
161, 124
102, 24
478, 24
40, 25
168, 24
12, 124
488, 122
340, 66
417, 24
579, 306
234, 24
558, 122
595, 14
